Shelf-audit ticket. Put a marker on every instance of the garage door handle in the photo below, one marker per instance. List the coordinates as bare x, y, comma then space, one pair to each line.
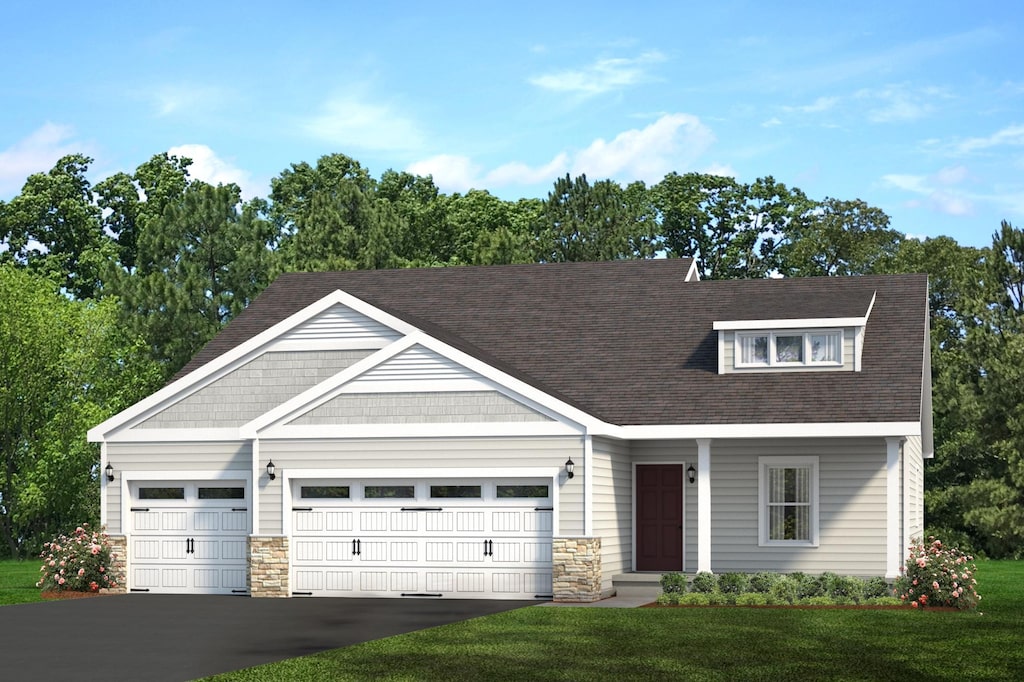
357, 547
140, 508
302, 509
543, 509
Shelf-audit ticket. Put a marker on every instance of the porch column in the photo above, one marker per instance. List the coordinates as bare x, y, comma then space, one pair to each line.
703, 504
893, 517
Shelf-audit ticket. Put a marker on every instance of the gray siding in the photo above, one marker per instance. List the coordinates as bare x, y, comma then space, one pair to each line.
129, 457
397, 454
913, 470
420, 408
852, 517
253, 389
729, 352
613, 502
685, 452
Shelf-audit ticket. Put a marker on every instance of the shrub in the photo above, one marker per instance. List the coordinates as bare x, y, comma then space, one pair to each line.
733, 583
762, 582
752, 599
817, 601
76, 562
719, 599
694, 599
806, 585
673, 582
786, 590
843, 587
704, 582
883, 601
875, 588
937, 576
668, 598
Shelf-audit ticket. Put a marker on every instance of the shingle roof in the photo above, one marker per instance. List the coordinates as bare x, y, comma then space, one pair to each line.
631, 342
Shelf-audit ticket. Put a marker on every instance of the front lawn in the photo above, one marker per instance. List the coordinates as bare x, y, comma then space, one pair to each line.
714, 643
18, 581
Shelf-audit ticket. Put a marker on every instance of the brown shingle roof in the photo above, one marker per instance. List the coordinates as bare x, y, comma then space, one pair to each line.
631, 342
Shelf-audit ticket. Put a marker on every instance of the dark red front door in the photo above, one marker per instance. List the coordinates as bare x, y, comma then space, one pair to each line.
659, 524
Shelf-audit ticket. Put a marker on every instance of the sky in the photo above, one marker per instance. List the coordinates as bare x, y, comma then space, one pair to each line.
914, 107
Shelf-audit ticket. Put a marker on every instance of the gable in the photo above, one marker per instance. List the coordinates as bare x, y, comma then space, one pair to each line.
341, 323
435, 407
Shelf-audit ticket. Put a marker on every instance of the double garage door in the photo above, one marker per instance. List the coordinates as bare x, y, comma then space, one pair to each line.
427, 538
189, 537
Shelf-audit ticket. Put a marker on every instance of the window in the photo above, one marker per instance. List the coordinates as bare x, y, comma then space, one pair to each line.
383, 491
324, 492
455, 491
789, 349
161, 493
522, 491
221, 493
788, 501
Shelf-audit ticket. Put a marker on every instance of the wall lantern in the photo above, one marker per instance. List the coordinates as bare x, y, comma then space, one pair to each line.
569, 466
691, 473
109, 471
271, 470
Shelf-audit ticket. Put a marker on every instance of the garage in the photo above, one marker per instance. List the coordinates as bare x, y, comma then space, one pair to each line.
442, 538
189, 537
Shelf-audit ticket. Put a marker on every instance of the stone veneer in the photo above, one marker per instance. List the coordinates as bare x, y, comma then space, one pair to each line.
118, 565
576, 569
268, 566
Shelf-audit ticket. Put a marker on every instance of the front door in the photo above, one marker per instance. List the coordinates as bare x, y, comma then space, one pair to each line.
659, 523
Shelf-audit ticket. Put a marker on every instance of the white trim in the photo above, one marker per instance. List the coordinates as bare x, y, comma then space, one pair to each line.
815, 322
438, 430
357, 387
188, 475
692, 274
703, 505
588, 485
721, 352
174, 435
774, 462
194, 380
801, 430
104, 484
893, 548
773, 361
256, 494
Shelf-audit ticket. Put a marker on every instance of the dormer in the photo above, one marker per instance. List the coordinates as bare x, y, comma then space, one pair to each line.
819, 344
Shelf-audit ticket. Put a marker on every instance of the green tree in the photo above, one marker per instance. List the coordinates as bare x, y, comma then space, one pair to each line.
66, 365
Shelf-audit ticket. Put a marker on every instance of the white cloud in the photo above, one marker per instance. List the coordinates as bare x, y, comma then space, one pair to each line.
939, 191
723, 170
895, 103
185, 98
351, 122
35, 154
817, 106
1010, 136
601, 76
772, 122
674, 142
210, 168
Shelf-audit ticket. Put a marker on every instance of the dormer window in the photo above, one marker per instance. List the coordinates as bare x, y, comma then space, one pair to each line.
789, 348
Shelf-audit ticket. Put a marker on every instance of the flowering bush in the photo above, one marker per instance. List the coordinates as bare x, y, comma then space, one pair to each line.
938, 576
76, 563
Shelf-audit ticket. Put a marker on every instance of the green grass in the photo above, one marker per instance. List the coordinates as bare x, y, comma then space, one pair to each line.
541, 643
18, 581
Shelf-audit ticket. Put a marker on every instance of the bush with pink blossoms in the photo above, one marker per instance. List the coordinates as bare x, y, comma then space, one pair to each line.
936, 575
79, 562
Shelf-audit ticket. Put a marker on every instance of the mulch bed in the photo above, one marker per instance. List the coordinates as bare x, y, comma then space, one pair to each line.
68, 594
854, 607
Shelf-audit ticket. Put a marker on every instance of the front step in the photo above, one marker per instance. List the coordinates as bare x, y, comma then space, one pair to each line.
637, 585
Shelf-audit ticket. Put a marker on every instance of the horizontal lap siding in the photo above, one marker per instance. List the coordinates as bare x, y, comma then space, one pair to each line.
913, 469
128, 457
613, 500
398, 454
449, 407
852, 518
676, 451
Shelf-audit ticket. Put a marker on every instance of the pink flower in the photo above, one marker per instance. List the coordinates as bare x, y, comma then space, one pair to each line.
52, 563
922, 562
935, 585
61, 581
95, 550
81, 572
102, 569
914, 604
94, 587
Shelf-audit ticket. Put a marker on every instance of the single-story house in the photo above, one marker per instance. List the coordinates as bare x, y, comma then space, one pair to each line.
529, 431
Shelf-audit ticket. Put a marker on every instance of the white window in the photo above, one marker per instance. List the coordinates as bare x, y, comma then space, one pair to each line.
789, 348
788, 501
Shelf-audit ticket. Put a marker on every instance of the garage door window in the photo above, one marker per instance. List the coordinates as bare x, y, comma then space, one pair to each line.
324, 492
522, 491
449, 491
372, 492
222, 493
161, 493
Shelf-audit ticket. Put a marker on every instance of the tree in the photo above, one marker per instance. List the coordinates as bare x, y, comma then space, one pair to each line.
53, 226
66, 365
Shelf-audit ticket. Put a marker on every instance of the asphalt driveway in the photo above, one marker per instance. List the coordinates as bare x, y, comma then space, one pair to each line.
182, 637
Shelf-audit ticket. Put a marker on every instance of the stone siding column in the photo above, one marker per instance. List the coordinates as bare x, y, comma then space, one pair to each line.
576, 569
268, 566
118, 568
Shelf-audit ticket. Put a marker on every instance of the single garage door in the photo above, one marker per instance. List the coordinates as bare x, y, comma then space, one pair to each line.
189, 537
435, 538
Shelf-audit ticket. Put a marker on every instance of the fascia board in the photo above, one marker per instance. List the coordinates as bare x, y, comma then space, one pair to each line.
810, 322
195, 380
737, 431
439, 430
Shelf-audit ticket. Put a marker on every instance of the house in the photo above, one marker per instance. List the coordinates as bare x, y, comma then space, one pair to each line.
528, 431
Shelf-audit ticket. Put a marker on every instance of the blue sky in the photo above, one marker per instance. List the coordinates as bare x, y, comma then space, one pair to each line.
917, 108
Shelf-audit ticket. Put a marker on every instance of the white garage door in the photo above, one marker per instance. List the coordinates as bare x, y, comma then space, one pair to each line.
189, 537
438, 538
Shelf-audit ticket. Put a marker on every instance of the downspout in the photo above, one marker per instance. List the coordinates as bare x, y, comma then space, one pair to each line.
703, 505
588, 486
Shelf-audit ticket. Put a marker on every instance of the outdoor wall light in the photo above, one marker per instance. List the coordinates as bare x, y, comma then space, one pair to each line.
109, 471
691, 473
569, 466
271, 470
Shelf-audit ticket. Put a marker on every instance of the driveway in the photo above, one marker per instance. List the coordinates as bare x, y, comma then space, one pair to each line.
182, 637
